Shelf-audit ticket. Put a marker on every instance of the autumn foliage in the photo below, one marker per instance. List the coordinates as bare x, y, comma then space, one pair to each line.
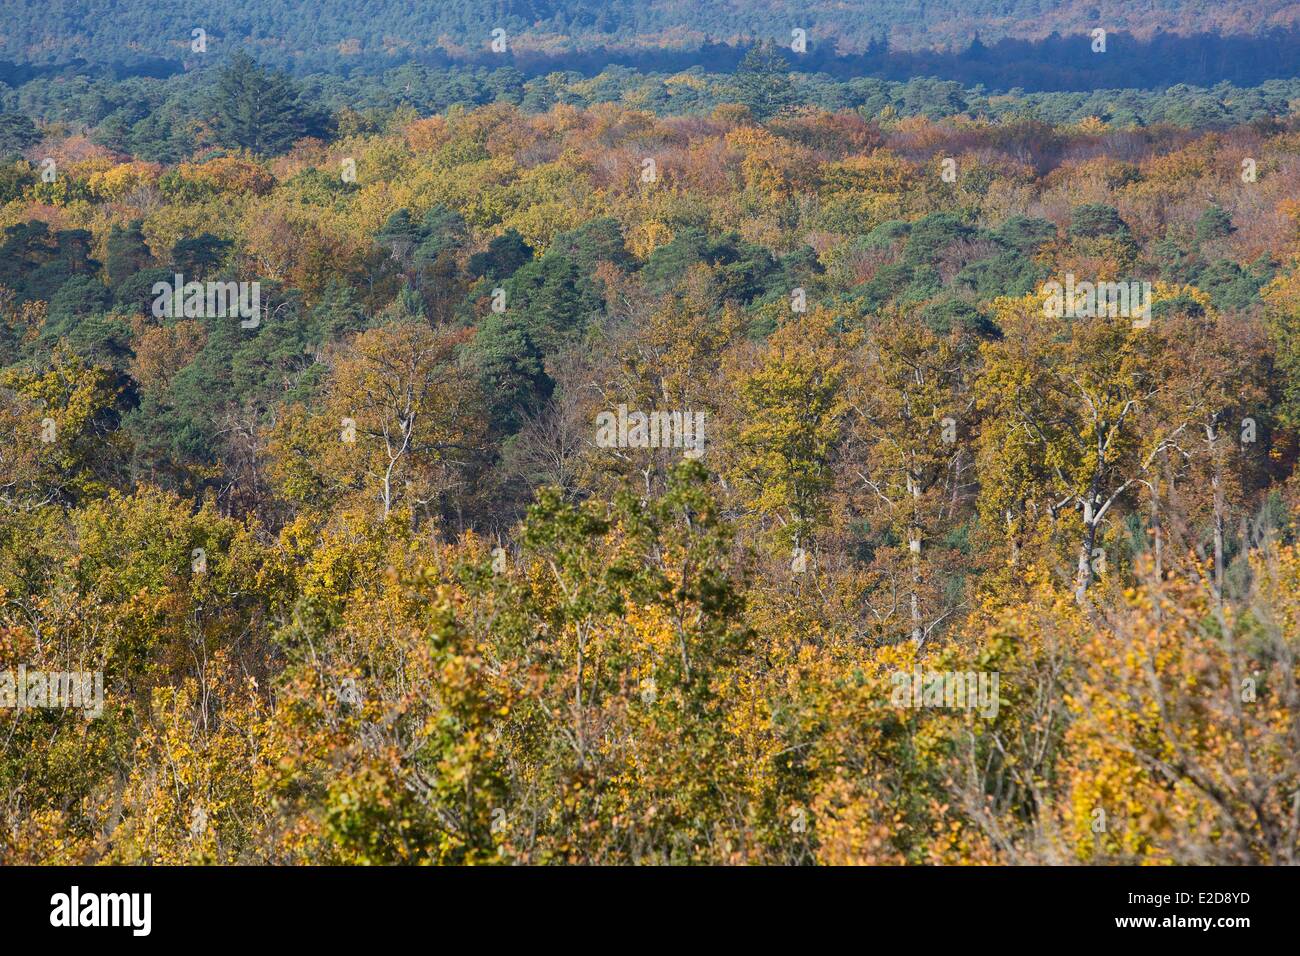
364, 588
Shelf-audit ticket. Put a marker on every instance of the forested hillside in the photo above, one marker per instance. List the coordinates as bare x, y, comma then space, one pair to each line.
101, 30
170, 119
579, 469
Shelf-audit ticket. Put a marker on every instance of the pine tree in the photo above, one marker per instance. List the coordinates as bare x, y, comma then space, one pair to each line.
127, 252
256, 109
763, 82
17, 132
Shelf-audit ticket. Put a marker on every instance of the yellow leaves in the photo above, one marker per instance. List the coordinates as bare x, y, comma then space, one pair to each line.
163, 350
1278, 582
772, 167
229, 174
1185, 165
56, 450
400, 415
1163, 738
879, 172
480, 191
170, 223
689, 80
191, 796
1282, 294
548, 199
791, 409
426, 135
609, 698
648, 236
46, 837
287, 245
121, 181
1290, 208
1091, 126
860, 192
853, 829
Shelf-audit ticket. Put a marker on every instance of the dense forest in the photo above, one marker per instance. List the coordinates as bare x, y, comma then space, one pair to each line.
106, 31
590, 460
168, 119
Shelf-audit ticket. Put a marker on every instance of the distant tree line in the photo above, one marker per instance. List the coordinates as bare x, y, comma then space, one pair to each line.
244, 104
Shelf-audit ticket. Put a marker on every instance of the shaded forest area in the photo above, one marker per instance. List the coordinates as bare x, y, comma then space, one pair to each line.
1052, 63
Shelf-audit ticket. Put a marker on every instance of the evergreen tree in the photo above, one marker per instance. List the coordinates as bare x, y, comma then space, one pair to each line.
196, 257
1096, 220
127, 252
512, 368
17, 132
506, 253
256, 109
763, 82
1214, 223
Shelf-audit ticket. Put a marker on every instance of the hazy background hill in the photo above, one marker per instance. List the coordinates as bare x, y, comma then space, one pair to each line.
114, 31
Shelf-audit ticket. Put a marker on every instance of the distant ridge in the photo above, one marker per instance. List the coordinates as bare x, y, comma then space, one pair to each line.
358, 31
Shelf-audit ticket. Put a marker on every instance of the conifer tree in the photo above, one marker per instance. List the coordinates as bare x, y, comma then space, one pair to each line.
256, 109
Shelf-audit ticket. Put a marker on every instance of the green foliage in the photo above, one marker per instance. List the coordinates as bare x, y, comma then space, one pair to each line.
1096, 221
17, 133
1214, 223
762, 82
258, 110
504, 254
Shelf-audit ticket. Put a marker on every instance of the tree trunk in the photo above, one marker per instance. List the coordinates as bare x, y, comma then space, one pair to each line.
914, 545
1083, 580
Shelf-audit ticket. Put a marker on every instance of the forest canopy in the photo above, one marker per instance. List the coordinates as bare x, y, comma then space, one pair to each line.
448, 465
